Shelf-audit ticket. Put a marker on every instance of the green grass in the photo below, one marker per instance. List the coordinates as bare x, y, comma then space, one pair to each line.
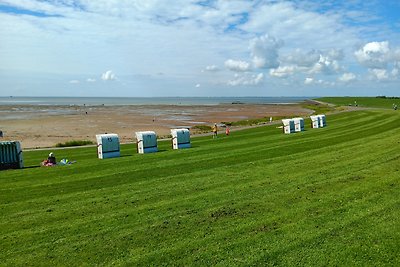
317, 108
201, 128
326, 196
248, 122
75, 143
370, 102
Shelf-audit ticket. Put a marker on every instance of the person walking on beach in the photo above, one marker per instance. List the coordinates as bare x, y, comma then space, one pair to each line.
215, 131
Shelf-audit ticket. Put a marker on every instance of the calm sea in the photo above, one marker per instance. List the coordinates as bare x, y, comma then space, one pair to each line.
113, 101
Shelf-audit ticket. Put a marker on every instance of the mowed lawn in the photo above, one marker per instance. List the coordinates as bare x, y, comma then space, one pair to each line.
328, 196
371, 102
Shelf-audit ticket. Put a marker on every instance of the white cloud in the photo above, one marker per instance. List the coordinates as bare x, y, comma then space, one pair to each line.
395, 72
335, 54
301, 59
380, 59
237, 65
315, 61
179, 38
197, 85
259, 78
91, 80
282, 71
396, 55
108, 76
326, 65
211, 68
264, 51
347, 77
247, 79
309, 80
297, 62
74, 81
379, 74
374, 55
300, 27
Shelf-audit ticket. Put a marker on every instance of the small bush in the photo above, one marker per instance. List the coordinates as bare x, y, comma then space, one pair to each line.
248, 122
388, 97
75, 143
202, 128
168, 136
318, 108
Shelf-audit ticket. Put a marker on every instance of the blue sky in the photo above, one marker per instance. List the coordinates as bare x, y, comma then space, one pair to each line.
199, 48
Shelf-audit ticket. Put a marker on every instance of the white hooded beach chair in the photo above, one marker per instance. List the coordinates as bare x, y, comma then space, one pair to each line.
108, 146
288, 126
146, 142
11, 155
180, 138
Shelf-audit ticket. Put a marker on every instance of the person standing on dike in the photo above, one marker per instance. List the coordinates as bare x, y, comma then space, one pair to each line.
215, 131
227, 130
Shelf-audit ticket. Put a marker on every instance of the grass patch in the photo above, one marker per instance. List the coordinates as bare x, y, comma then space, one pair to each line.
201, 128
250, 122
321, 197
75, 143
369, 102
318, 108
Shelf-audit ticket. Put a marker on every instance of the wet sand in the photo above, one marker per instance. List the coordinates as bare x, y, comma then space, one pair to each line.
44, 126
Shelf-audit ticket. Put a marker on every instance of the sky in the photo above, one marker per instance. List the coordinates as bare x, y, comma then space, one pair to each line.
152, 48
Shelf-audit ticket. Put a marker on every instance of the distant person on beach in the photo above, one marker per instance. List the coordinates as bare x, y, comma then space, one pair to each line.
227, 130
215, 131
1, 133
50, 161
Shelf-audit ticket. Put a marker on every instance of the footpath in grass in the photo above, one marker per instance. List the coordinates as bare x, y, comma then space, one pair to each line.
325, 196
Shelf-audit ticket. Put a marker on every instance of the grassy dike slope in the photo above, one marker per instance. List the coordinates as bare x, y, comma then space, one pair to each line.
326, 196
369, 102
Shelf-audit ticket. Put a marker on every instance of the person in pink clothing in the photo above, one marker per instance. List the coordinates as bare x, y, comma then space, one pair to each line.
227, 130
50, 161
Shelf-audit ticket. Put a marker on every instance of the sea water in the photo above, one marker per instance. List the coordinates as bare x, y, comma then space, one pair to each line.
115, 101
15, 108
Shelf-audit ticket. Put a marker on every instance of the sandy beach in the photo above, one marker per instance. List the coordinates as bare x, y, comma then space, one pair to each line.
44, 126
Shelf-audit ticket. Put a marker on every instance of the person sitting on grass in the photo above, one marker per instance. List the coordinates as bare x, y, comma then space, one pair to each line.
50, 161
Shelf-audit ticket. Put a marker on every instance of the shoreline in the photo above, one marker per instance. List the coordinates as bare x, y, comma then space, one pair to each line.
39, 127
121, 101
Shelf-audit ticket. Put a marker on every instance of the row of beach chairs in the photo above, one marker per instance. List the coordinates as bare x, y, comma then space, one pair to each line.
146, 142
108, 145
297, 124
